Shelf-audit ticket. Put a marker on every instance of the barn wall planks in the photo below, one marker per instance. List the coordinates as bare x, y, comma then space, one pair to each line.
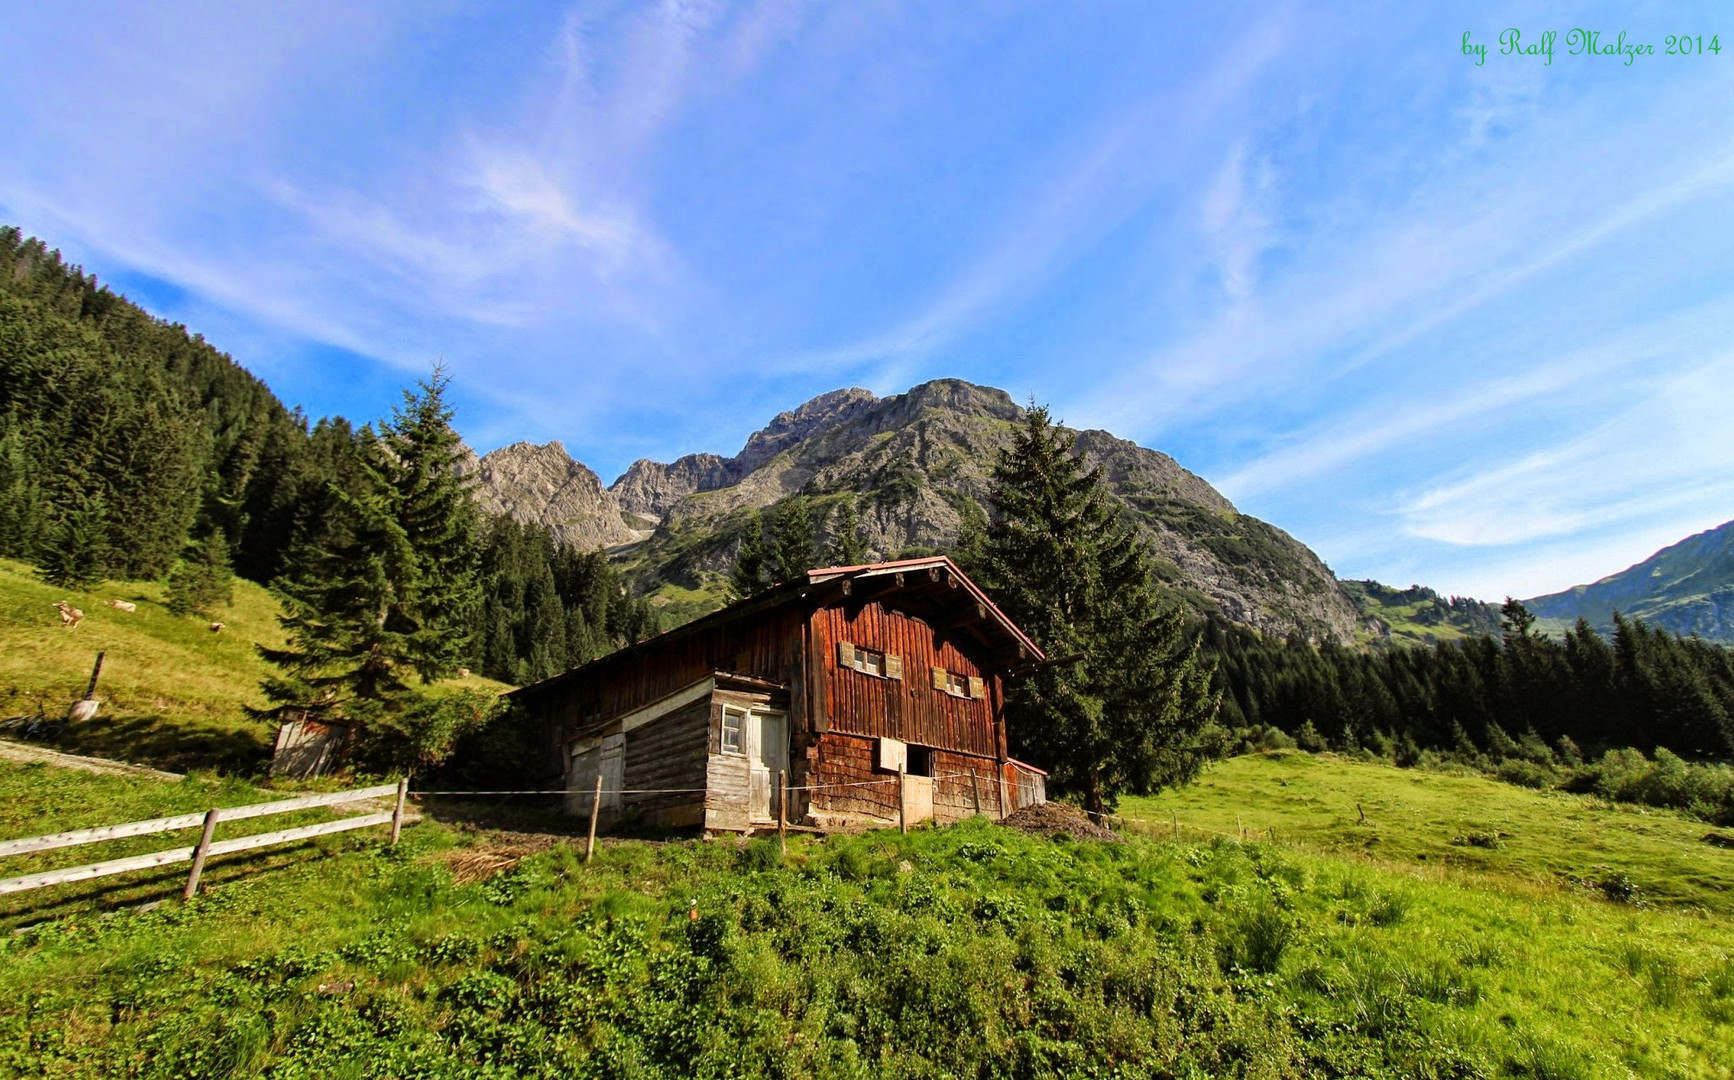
668, 753
785, 656
910, 709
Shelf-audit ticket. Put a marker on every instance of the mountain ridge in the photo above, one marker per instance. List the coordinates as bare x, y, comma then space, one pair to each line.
919, 466
1686, 587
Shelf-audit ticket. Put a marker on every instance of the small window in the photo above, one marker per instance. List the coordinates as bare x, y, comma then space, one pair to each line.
920, 761
963, 686
732, 719
869, 661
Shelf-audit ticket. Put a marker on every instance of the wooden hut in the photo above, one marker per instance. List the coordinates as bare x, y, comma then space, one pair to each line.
856, 686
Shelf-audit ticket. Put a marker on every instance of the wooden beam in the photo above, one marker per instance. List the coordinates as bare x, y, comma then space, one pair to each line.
185, 854
187, 821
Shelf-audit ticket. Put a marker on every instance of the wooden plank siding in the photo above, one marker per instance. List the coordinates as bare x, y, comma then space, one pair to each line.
910, 708
781, 650
668, 753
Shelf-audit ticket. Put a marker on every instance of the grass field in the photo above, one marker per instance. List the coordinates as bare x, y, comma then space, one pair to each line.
174, 694
969, 951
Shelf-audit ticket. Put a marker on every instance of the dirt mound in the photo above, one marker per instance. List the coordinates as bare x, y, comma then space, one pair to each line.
1052, 819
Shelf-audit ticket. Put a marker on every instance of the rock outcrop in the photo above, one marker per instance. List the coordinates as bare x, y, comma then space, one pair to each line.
544, 485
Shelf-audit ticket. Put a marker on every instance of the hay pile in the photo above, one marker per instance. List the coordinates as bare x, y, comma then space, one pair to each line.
1052, 819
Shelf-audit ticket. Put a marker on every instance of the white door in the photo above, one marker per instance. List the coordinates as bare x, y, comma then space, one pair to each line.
767, 739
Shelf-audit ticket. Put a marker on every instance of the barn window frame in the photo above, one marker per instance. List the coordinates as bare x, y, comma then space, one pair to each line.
872, 662
738, 746
958, 685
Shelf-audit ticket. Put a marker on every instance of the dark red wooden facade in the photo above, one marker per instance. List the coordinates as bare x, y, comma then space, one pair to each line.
924, 614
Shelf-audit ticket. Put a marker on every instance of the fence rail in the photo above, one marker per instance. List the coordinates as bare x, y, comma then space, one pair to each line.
207, 846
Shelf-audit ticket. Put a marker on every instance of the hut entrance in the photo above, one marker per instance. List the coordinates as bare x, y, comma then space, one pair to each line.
767, 736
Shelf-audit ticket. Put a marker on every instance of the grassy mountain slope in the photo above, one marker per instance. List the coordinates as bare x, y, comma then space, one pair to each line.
1687, 588
173, 693
1418, 615
973, 950
919, 466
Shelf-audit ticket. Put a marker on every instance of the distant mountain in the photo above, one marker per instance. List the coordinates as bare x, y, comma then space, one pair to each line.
918, 465
1687, 588
1418, 615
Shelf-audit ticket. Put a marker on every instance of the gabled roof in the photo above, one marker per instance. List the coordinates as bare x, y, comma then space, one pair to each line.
933, 580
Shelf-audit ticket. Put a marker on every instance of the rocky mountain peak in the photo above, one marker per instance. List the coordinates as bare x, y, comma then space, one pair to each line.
789, 428
544, 485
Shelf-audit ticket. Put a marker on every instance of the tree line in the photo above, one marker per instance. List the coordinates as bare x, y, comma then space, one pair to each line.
133, 449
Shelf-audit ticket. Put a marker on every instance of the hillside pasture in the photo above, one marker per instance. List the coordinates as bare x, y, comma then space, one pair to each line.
973, 950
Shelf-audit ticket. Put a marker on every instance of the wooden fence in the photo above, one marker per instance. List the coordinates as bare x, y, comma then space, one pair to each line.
207, 845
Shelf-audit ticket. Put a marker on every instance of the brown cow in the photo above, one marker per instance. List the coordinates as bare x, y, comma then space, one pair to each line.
69, 615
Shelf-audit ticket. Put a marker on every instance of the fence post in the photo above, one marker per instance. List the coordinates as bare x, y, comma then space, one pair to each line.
1240, 828
999, 775
902, 799
199, 855
595, 810
95, 673
974, 791
1176, 815
397, 810
783, 812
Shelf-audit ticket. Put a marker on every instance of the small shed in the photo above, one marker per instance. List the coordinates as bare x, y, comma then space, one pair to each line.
859, 686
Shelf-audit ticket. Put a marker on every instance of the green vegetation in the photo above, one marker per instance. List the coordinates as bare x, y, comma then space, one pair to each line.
1133, 710
1418, 615
967, 951
1486, 701
174, 693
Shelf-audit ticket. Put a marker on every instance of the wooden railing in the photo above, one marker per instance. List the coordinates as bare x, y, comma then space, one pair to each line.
207, 846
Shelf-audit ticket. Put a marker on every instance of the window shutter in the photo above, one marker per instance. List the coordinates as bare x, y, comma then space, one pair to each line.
977, 688
939, 678
845, 654
893, 666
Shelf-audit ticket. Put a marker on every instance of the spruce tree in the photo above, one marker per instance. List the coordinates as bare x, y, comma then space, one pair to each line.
792, 551
203, 581
1137, 712
76, 555
748, 574
389, 589
417, 459
846, 547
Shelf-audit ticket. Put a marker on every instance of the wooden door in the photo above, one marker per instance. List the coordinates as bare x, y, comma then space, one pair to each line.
767, 755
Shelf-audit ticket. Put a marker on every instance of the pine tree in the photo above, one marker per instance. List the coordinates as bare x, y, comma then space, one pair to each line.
1138, 712
792, 551
76, 555
748, 575
846, 547
203, 580
389, 590
417, 459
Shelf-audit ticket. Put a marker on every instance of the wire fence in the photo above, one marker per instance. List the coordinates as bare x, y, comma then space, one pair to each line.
688, 791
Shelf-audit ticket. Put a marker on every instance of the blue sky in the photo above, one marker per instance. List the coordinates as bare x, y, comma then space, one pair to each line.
1458, 324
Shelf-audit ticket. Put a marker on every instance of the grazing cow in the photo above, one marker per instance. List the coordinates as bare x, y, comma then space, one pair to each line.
123, 605
463, 673
69, 615
216, 628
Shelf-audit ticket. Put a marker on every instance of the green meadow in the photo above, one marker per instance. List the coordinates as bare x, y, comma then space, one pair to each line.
174, 694
1466, 928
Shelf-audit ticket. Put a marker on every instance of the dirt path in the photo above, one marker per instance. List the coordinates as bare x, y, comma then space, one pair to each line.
24, 753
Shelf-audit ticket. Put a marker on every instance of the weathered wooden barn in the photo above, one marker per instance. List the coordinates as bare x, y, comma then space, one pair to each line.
864, 686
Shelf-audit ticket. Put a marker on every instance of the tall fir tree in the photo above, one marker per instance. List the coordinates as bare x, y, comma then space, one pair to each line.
792, 550
389, 590
751, 560
846, 548
203, 581
1137, 712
